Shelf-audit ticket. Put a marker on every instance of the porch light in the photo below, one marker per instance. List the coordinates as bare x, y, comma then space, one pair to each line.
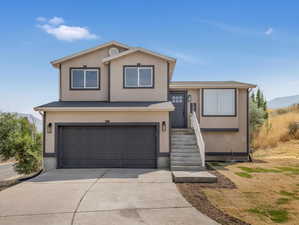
189, 99
49, 128
163, 126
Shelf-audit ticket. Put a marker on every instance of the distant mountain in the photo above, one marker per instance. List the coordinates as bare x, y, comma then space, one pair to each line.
32, 119
282, 102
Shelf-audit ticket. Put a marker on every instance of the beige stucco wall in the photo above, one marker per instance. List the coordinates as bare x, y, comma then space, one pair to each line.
100, 117
227, 141
93, 59
158, 93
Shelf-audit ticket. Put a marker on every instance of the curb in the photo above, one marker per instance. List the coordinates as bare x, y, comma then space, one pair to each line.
11, 182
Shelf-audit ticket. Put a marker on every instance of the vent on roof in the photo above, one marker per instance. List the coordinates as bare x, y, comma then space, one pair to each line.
113, 51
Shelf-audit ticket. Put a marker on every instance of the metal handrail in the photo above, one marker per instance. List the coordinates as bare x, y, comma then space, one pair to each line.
199, 138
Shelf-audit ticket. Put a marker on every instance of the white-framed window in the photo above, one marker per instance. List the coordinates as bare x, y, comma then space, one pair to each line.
85, 78
219, 102
138, 76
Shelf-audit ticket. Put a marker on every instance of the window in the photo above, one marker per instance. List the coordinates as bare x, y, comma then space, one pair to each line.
219, 102
85, 78
138, 76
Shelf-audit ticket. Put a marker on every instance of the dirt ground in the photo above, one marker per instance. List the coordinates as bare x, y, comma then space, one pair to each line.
265, 191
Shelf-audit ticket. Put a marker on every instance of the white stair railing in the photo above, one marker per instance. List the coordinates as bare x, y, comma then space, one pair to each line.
199, 139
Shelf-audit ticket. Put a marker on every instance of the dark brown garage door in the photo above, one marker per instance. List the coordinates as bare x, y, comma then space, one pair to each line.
107, 146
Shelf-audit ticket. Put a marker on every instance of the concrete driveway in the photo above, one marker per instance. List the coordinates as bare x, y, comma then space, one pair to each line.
98, 197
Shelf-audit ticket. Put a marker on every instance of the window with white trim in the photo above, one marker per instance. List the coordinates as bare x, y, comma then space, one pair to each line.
85, 78
138, 77
219, 102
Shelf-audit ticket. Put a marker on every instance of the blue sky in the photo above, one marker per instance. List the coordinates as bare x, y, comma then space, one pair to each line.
248, 41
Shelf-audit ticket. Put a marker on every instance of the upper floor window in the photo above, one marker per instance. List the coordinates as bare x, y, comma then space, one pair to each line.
138, 76
85, 78
219, 102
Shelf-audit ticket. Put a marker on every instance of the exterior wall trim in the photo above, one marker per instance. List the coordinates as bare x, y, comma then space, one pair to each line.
153, 68
84, 89
57, 133
219, 129
226, 154
202, 103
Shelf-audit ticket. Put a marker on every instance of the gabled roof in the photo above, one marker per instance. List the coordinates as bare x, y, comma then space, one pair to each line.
209, 84
139, 49
56, 62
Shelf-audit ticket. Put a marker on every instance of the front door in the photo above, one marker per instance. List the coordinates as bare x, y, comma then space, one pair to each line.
178, 116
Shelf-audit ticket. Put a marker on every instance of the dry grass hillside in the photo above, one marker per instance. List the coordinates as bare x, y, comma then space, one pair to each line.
282, 126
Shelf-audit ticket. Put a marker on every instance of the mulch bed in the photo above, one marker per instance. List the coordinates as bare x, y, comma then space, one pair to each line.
195, 196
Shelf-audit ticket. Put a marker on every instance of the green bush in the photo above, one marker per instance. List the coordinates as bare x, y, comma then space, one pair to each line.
293, 129
20, 140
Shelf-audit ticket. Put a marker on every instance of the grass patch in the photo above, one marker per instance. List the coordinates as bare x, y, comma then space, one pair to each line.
276, 215
292, 170
243, 174
258, 170
282, 201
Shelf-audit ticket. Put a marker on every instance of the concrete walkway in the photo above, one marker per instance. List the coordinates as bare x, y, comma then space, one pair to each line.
98, 197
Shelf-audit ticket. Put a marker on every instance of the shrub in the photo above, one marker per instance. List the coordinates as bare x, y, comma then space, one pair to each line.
293, 129
20, 140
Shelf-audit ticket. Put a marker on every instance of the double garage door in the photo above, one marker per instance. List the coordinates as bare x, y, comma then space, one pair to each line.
117, 146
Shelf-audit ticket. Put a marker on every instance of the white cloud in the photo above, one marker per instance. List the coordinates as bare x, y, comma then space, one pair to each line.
41, 19
68, 33
56, 20
269, 31
59, 30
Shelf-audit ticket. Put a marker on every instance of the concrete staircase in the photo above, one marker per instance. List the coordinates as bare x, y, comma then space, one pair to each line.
185, 154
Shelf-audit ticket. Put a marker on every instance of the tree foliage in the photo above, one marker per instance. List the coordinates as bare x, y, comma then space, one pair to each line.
258, 111
20, 140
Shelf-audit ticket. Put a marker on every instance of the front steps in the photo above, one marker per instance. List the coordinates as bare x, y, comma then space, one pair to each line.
185, 154
193, 177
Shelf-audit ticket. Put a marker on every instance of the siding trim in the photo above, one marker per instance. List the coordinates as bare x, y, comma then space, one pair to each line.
219, 129
226, 154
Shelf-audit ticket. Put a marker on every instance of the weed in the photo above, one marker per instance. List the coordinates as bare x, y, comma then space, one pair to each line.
243, 174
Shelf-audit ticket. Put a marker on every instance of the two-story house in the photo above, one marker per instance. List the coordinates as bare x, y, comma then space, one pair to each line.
118, 108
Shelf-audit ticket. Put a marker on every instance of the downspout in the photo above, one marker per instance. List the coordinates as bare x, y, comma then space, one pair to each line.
248, 124
169, 114
109, 82
60, 83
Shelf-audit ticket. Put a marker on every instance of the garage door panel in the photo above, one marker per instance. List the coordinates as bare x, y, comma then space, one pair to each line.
113, 146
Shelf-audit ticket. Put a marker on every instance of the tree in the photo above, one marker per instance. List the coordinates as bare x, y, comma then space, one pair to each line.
257, 116
259, 98
20, 140
252, 97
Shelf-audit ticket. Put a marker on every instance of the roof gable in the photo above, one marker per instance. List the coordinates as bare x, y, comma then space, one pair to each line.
56, 62
138, 49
